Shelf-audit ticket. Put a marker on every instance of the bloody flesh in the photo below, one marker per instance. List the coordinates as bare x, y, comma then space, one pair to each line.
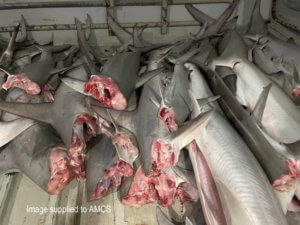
23, 82
61, 173
106, 91
111, 178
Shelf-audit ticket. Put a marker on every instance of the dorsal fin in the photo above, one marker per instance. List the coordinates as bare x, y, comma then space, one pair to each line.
257, 24
259, 108
42, 112
123, 35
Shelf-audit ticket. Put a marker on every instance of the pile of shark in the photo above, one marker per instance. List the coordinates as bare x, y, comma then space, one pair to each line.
212, 120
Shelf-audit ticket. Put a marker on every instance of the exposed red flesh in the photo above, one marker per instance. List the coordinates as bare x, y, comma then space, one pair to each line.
112, 178
61, 173
165, 185
293, 173
76, 150
167, 116
162, 155
296, 92
106, 91
141, 191
23, 82
125, 147
155, 186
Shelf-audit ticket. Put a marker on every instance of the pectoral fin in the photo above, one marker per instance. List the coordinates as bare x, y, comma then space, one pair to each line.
42, 112
10, 130
189, 131
259, 108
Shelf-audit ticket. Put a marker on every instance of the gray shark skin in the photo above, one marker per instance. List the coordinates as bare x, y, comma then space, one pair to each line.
41, 71
30, 153
130, 40
147, 132
270, 160
61, 118
11, 129
284, 114
101, 153
224, 149
257, 24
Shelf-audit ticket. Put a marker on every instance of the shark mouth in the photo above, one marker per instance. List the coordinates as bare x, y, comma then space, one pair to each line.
23, 82
166, 115
157, 186
112, 178
106, 91
282, 183
61, 173
125, 147
85, 127
296, 92
163, 155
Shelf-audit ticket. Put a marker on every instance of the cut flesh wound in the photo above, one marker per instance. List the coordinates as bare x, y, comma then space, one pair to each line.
162, 186
106, 91
293, 173
61, 173
111, 178
296, 92
23, 82
84, 128
163, 155
125, 146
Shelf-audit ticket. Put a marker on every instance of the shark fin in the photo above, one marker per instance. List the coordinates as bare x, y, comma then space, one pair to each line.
189, 131
123, 35
198, 15
259, 108
75, 84
148, 76
83, 45
257, 24
42, 112
161, 217
285, 197
12, 129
